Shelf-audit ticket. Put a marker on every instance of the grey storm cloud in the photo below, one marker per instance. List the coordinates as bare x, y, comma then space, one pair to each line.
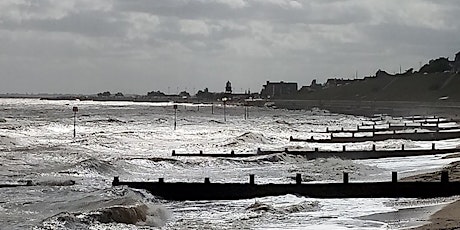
135, 46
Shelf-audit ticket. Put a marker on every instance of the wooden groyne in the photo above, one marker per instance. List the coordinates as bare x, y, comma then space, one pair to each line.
415, 136
346, 189
384, 128
12, 185
28, 183
344, 154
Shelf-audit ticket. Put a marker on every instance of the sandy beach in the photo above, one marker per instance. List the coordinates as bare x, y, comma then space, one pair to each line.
448, 217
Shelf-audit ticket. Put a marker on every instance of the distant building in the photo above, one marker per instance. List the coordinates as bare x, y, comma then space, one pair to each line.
333, 82
278, 89
228, 87
456, 64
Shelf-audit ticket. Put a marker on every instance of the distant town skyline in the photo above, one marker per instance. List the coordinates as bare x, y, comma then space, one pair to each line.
134, 47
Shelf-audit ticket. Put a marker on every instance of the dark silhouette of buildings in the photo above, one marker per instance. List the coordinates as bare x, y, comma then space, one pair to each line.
278, 89
456, 64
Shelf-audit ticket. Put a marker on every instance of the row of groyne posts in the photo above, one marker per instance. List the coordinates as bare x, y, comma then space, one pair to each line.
298, 179
286, 150
175, 107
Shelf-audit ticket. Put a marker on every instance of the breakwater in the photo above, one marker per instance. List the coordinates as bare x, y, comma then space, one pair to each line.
232, 191
415, 136
344, 154
369, 108
387, 127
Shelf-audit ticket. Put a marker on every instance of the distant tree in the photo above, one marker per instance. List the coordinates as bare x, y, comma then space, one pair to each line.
436, 66
184, 94
409, 71
155, 94
104, 94
119, 94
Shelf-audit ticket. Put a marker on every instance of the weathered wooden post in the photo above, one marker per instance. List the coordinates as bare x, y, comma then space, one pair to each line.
251, 179
394, 177
173, 153
246, 112
344, 148
232, 152
444, 177
327, 129
175, 116
212, 108
206, 180
433, 146
201, 152
161, 180
75, 110
316, 149
373, 147
298, 178
345, 177
116, 181
402, 147
286, 150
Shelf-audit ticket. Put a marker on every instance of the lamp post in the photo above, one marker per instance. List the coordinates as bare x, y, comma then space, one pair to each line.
75, 110
175, 116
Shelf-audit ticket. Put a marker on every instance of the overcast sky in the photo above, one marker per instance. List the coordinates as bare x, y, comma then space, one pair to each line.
136, 46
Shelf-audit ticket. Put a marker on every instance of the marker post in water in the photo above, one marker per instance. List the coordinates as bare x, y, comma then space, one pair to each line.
225, 103
75, 110
175, 116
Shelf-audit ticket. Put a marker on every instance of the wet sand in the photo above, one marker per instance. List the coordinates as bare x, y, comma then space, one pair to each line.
448, 217
439, 213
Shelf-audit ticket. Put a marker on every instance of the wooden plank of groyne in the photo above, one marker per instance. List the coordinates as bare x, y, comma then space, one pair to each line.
347, 189
344, 154
416, 136
367, 154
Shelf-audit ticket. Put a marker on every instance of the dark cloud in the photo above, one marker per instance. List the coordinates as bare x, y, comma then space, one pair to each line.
142, 45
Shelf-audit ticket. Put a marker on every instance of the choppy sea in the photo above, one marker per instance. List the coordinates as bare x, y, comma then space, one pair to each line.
72, 177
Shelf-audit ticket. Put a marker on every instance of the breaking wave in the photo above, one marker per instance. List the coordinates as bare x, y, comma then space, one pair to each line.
327, 169
92, 166
117, 206
300, 207
7, 142
279, 157
109, 120
248, 137
53, 182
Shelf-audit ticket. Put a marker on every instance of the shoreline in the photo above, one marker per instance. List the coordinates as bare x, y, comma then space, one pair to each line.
438, 214
448, 217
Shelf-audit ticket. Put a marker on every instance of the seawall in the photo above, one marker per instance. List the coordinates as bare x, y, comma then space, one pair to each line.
446, 109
